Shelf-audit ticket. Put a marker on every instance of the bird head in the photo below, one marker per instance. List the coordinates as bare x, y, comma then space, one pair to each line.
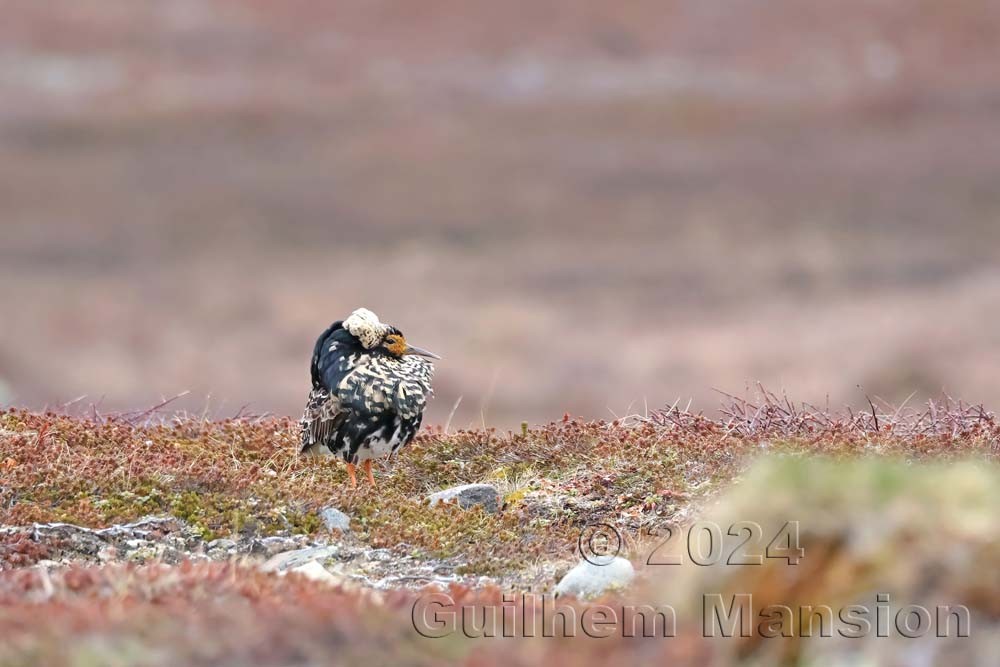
374, 335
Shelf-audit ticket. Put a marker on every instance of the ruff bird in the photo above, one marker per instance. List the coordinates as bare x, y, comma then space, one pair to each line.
369, 391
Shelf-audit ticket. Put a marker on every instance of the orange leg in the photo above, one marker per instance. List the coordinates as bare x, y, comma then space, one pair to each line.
350, 473
368, 469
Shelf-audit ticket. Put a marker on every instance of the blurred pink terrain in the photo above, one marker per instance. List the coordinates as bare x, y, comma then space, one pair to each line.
583, 207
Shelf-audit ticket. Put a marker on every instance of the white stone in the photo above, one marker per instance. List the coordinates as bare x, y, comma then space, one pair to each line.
589, 580
292, 560
334, 519
313, 570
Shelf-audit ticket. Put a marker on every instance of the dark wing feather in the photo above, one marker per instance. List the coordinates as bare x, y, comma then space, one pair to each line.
324, 416
318, 352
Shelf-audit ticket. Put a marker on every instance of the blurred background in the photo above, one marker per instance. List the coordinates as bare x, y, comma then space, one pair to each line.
585, 207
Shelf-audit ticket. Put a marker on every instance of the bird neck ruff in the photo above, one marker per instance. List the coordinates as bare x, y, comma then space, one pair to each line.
364, 325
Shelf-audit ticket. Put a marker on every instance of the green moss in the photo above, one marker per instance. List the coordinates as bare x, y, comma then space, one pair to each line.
10, 422
190, 507
515, 497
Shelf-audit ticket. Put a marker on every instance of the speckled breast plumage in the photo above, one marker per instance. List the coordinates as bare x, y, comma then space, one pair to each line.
363, 404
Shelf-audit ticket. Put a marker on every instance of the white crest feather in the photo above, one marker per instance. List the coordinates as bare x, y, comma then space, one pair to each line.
364, 325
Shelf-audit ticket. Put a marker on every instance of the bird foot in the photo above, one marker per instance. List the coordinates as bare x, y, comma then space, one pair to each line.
368, 469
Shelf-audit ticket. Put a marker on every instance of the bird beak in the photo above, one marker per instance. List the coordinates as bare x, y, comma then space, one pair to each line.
410, 349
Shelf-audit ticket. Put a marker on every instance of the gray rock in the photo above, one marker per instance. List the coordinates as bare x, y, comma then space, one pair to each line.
73, 539
291, 560
223, 544
148, 527
172, 556
270, 546
141, 555
590, 580
334, 519
107, 554
469, 495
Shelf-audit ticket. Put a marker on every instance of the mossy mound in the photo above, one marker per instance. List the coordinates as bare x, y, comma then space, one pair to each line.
880, 540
